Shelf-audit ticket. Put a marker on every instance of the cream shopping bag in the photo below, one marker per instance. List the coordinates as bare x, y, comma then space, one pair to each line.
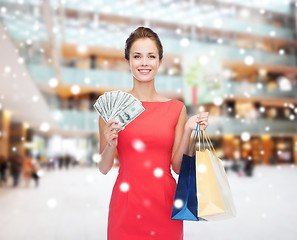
210, 200
224, 186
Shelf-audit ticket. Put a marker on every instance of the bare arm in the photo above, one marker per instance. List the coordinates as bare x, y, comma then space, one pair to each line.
108, 138
183, 132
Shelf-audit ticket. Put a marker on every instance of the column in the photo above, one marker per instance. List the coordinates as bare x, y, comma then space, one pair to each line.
17, 138
295, 148
5, 117
266, 148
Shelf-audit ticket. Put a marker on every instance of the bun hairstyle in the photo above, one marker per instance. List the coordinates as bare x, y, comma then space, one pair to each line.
140, 33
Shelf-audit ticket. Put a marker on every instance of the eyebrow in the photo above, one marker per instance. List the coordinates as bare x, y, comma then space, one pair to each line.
141, 53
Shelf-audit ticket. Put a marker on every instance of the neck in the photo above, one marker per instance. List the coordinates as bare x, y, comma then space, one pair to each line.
144, 91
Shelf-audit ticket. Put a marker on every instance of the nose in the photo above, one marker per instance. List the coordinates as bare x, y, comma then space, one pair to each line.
143, 63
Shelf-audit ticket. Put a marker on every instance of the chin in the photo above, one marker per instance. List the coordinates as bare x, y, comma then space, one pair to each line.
144, 78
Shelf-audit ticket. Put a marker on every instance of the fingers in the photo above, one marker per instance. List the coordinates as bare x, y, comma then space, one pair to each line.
112, 121
202, 119
111, 130
204, 125
113, 124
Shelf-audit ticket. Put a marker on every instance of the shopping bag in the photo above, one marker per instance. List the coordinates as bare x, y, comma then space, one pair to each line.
210, 199
224, 186
185, 200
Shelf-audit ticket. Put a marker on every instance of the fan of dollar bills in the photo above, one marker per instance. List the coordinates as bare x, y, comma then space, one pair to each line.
118, 105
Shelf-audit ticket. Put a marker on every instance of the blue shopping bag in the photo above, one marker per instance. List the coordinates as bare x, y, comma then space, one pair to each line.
185, 205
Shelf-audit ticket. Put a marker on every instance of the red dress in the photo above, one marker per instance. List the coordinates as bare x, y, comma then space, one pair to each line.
142, 197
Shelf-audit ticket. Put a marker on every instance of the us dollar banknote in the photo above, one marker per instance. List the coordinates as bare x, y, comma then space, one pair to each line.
118, 105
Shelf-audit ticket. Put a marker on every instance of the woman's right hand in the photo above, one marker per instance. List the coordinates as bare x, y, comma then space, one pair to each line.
110, 133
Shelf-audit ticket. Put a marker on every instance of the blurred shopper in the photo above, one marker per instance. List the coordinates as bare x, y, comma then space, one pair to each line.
51, 163
27, 169
248, 168
67, 161
141, 201
35, 169
60, 161
3, 167
16, 168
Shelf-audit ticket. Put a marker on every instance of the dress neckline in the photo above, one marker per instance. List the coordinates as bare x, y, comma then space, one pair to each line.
157, 101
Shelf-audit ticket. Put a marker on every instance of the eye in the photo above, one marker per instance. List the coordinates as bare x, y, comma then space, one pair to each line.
152, 56
136, 56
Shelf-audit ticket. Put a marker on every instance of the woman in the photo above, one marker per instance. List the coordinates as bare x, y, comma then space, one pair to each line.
142, 197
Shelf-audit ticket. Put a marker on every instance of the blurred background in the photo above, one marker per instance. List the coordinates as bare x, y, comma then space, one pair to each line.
235, 59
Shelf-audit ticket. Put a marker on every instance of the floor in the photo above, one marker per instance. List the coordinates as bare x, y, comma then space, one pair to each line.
73, 204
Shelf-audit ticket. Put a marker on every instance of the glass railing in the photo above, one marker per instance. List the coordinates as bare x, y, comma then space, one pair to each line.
258, 90
225, 125
24, 30
101, 78
191, 16
77, 120
271, 5
23, 25
230, 53
88, 121
123, 80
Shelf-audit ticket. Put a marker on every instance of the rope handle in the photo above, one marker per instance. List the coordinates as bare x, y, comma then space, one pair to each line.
210, 143
194, 140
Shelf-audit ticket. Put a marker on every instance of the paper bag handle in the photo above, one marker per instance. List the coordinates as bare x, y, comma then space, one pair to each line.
210, 143
194, 140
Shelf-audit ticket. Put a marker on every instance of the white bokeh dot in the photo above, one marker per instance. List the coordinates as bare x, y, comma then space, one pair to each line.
147, 203
218, 101
124, 187
202, 168
178, 203
35, 98
138, 145
75, 89
203, 60
96, 158
245, 136
20, 60
184, 42
52, 203
158, 172
44, 127
7, 69
147, 163
53, 82
249, 60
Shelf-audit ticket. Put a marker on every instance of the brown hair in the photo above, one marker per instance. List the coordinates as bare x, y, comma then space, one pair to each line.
139, 33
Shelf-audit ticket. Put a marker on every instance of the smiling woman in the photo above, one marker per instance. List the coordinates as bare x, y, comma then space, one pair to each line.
142, 197
144, 61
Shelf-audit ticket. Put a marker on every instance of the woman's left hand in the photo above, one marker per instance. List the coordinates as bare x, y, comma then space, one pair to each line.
201, 118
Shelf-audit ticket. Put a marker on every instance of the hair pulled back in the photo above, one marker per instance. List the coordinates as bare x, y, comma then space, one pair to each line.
140, 33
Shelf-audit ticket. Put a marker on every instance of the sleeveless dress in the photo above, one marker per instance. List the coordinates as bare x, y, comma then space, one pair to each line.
142, 198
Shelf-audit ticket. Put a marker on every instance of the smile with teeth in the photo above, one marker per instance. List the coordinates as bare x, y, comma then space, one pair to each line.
144, 70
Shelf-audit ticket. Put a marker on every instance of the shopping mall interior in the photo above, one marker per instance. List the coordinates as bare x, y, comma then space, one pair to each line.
58, 57
235, 59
